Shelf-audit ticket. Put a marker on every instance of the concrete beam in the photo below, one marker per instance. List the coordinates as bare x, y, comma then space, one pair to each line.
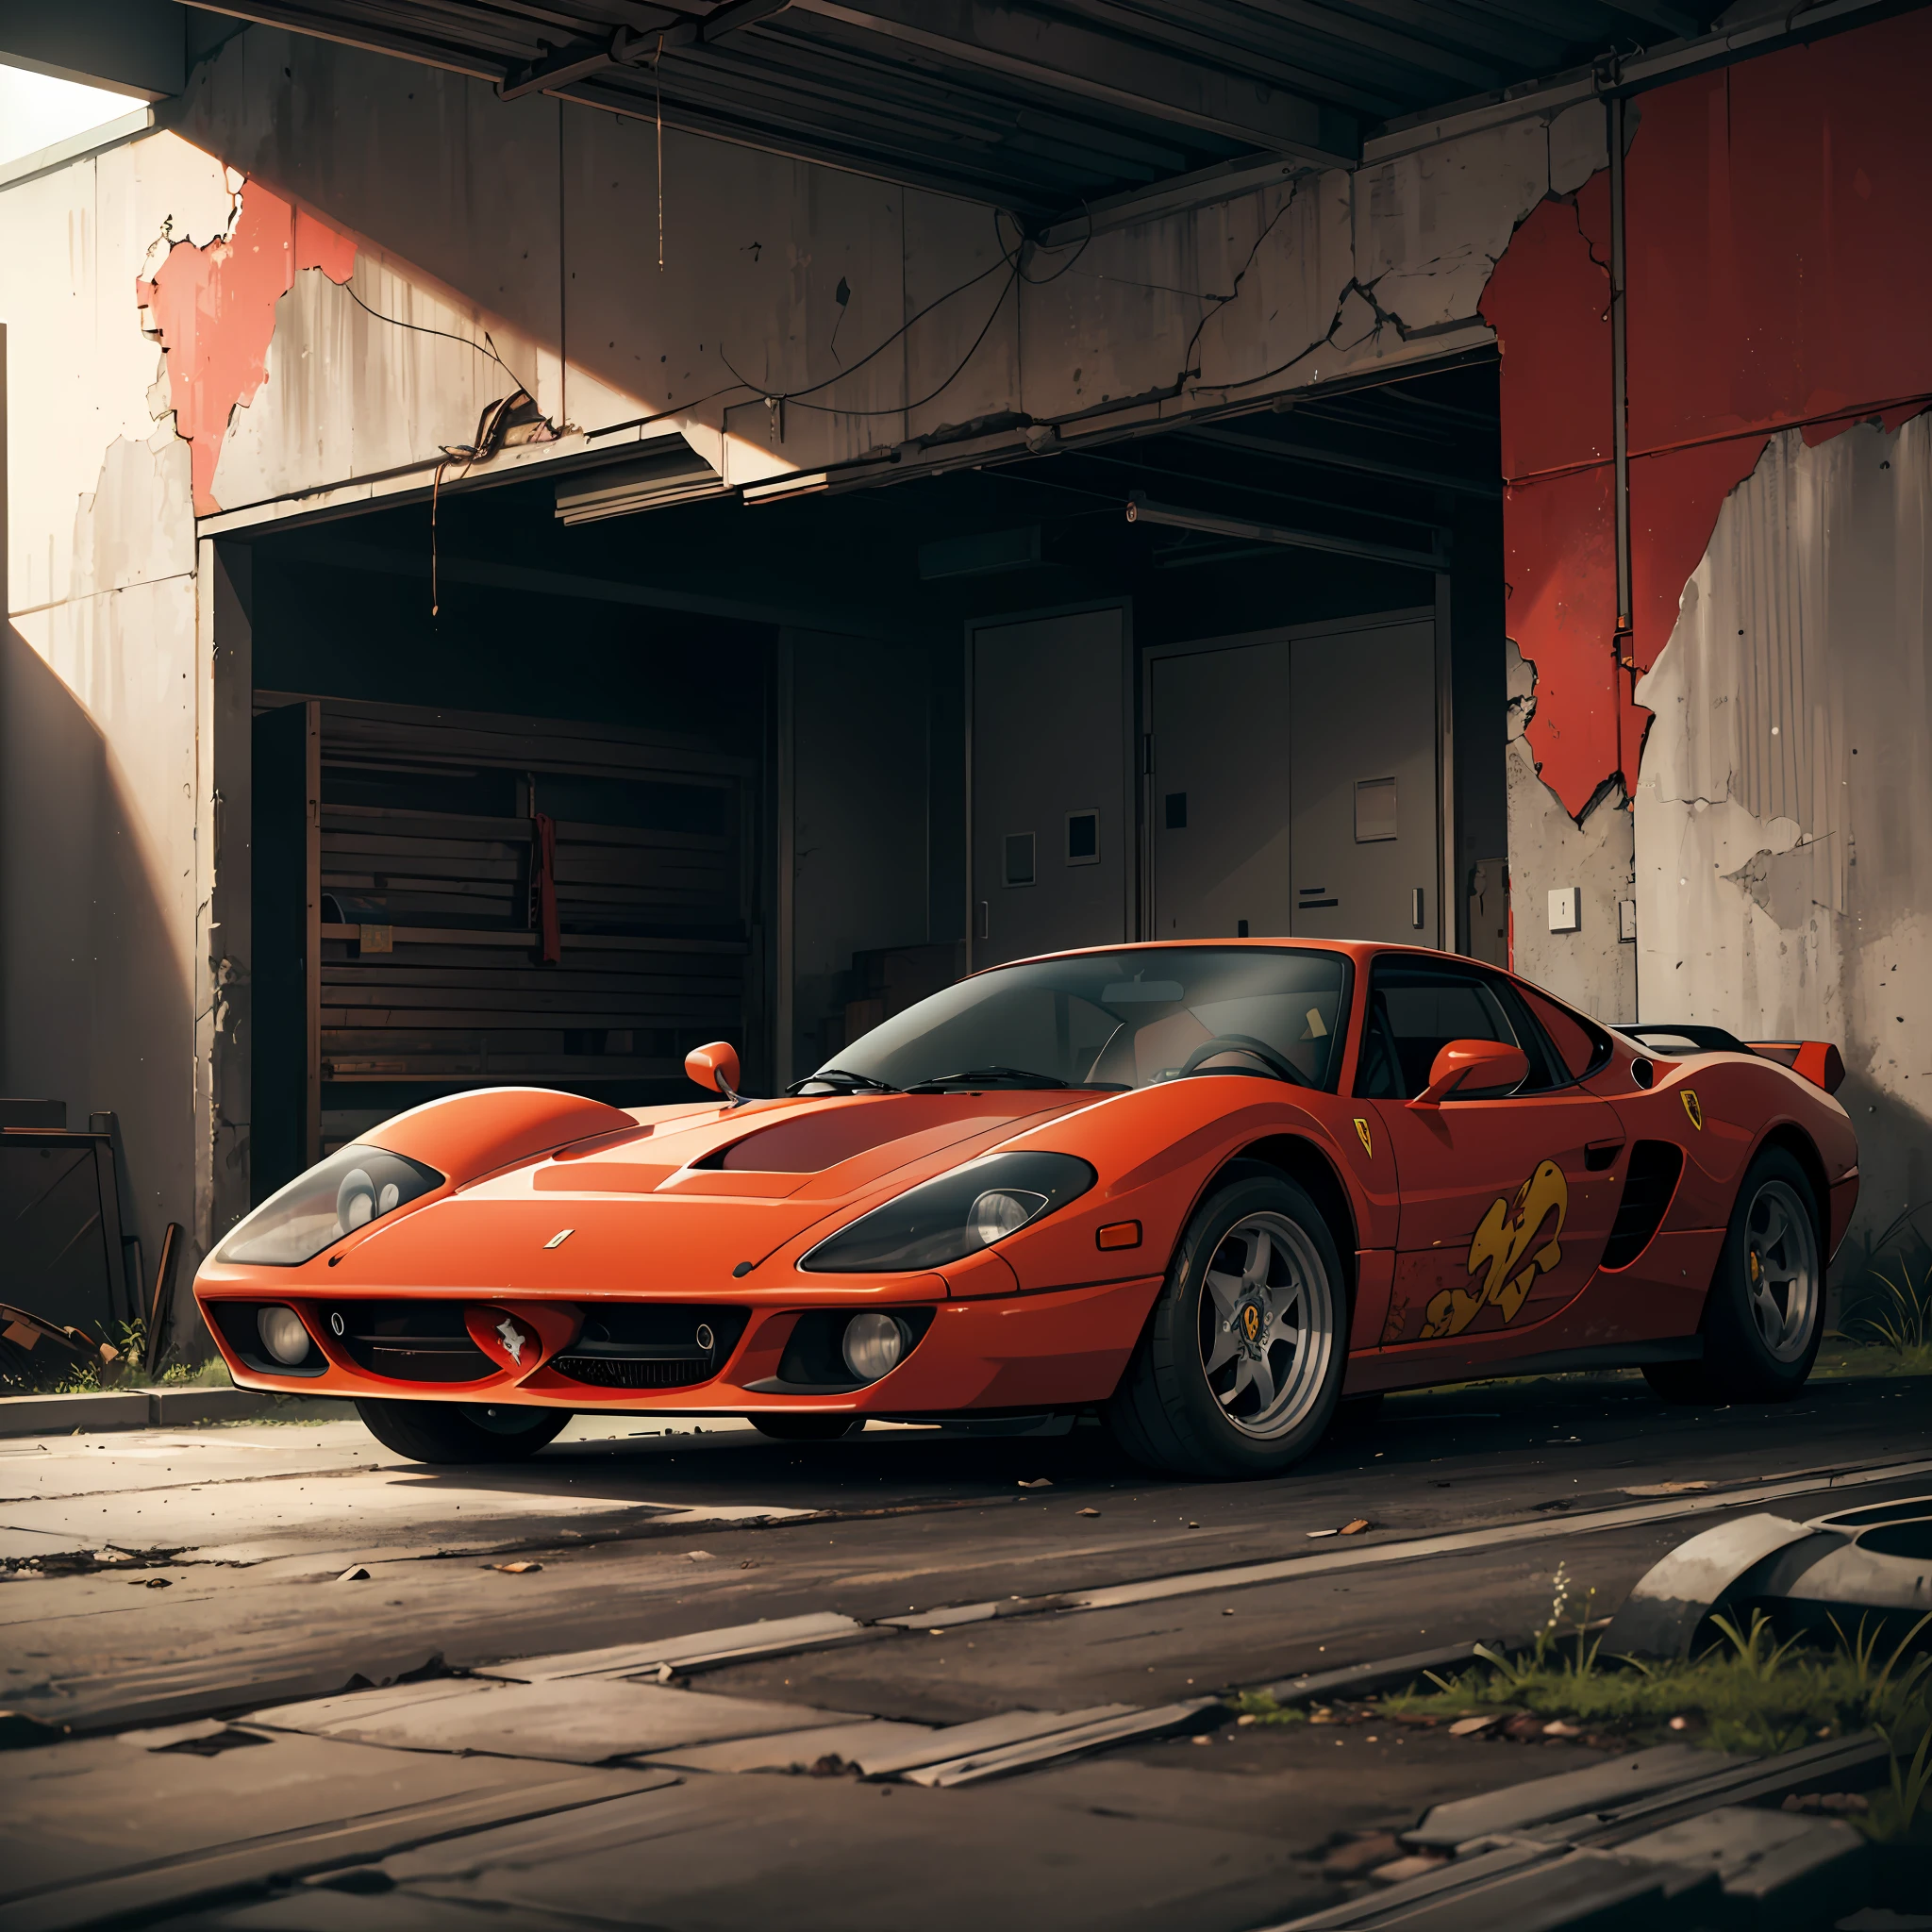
1073, 59
138, 46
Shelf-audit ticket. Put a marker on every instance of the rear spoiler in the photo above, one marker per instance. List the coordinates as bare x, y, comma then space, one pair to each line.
1816, 1061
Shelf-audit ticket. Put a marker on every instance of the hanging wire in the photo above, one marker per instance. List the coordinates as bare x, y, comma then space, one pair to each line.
658, 87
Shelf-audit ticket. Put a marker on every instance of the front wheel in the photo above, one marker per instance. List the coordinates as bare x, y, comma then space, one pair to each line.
460, 1431
1240, 1368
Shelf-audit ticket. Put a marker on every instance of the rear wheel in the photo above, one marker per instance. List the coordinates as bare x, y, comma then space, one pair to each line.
460, 1431
1240, 1368
805, 1428
1764, 1316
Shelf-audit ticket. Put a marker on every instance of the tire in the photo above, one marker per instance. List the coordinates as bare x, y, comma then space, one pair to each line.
805, 1428
1200, 1400
1764, 1316
460, 1431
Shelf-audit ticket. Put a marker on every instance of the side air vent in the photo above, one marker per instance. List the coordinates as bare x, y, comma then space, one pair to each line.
1654, 1166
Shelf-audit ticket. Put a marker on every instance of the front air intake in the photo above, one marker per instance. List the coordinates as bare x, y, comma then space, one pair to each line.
652, 1344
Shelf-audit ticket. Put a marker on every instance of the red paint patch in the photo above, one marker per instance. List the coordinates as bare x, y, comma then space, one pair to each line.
213, 311
1560, 556
1779, 274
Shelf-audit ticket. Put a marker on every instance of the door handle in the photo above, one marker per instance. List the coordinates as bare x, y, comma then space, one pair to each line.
1598, 1155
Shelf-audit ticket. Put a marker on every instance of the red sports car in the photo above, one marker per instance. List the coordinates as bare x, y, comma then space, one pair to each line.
1204, 1190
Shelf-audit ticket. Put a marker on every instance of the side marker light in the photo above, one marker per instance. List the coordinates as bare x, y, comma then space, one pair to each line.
1119, 1234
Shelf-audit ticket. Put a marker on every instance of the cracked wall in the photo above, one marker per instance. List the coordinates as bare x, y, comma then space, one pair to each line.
101, 686
1778, 282
1784, 877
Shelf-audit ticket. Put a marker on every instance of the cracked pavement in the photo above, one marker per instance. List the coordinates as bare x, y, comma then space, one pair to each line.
162, 1585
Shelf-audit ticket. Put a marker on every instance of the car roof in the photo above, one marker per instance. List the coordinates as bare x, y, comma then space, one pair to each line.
1352, 949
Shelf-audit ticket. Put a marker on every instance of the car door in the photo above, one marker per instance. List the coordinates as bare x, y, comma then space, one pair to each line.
1507, 1198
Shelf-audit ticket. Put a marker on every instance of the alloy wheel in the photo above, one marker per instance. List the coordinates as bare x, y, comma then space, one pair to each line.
1781, 1271
1267, 1325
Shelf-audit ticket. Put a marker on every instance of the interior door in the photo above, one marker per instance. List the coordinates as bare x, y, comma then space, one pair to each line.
1052, 826
1363, 738
1220, 794
1507, 1199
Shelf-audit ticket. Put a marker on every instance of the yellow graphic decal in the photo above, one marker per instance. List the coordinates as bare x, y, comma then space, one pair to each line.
1509, 1249
1361, 1127
1250, 1321
1694, 1107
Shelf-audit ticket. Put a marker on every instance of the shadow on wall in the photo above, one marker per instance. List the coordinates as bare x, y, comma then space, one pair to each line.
95, 1011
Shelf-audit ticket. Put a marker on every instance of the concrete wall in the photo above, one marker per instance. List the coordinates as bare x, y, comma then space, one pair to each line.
1784, 875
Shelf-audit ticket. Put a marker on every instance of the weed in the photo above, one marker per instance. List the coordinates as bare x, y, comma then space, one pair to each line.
1748, 1692
1263, 1709
1902, 1317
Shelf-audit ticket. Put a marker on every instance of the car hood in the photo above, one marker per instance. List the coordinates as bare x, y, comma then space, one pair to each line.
687, 1198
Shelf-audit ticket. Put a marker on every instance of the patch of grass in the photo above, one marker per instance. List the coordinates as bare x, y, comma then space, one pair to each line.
212, 1374
1747, 1694
1843, 1357
1258, 1706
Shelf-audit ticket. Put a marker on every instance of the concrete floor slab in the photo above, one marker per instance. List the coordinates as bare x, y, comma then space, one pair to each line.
91, 1828
573, 1721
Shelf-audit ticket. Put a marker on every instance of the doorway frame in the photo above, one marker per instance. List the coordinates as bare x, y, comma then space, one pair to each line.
1447, 927
1133, 910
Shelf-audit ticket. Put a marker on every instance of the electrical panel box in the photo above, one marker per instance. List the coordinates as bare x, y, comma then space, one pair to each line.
1566, 909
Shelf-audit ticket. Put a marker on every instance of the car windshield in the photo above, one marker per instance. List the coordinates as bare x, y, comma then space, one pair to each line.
1115, 1019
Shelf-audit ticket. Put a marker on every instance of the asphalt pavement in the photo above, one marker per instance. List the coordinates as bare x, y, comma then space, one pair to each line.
161, 1586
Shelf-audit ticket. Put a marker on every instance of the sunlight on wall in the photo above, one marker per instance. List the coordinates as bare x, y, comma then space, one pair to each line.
37, 111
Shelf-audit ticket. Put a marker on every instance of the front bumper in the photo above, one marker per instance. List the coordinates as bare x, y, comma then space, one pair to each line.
647, 1354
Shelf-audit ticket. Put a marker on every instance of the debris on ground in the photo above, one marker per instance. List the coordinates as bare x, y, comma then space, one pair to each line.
1086, 1513
1038, 1482
523, 1566
1357, 1857
356, 1572
34, 1349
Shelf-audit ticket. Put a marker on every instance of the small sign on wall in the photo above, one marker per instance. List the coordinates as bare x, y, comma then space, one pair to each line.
1374, 811
1566, 909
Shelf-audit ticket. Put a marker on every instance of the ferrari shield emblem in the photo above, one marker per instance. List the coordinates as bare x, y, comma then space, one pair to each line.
1695, 1109
513, 1339
1250, 1322
1361, 1127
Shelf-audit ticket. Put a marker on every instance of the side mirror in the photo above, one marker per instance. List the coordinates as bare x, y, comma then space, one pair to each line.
716, 1066
1475, 1064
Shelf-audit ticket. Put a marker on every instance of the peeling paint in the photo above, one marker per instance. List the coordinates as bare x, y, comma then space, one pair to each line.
1782, 873
212, 309
1765, 201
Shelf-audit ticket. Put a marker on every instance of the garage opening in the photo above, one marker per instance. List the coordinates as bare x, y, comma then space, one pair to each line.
613, 762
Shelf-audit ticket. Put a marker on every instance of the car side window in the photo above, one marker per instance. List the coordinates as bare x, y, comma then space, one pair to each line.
1415, 1009
1581, 1044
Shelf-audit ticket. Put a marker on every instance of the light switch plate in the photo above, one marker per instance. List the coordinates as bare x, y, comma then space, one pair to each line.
1626, 919
1566, 909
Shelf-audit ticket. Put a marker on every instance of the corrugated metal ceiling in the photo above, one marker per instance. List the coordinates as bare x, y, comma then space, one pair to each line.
1041, 107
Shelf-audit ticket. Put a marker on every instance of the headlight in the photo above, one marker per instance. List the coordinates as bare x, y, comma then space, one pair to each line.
952, 1217
346, 1192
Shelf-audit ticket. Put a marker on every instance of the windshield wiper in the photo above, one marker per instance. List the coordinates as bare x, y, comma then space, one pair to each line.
854, 1083
986, 1077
